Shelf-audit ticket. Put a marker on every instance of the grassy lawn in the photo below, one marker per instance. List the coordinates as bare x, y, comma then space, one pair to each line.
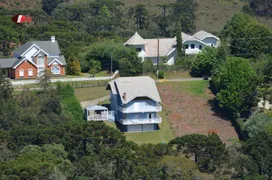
177, 74
194, 88
102, 74
90, 93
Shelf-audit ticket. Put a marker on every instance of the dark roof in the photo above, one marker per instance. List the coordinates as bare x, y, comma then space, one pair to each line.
52, 48
8, 62
20, 50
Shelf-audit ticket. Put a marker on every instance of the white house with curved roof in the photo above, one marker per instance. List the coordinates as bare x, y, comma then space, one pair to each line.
159, 49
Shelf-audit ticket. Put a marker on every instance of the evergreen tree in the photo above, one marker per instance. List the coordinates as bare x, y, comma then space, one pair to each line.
73, 67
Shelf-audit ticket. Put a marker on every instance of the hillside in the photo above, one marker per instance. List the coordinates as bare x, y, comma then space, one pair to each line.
21, 4
211, 15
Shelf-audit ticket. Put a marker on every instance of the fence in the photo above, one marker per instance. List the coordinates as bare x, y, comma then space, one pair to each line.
79, 79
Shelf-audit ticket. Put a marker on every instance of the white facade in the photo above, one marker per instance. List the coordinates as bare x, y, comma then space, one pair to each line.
166, 47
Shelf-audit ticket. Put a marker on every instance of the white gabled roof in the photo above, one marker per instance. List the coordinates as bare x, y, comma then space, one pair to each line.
203, 34
136, 39
133, 87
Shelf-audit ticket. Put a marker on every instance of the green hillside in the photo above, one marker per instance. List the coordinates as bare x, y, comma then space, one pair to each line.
211, 15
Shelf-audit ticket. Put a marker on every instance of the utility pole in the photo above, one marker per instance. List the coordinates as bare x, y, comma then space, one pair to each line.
111, 66
158, 57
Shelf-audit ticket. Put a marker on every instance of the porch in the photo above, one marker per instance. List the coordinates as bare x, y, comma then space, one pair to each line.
154, 120
98, 113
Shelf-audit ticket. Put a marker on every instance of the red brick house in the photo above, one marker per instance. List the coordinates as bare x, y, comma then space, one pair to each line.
31, 59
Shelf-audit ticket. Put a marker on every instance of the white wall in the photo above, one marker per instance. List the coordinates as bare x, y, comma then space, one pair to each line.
210, 41
196, 49
31, 52
141, 53
172, 58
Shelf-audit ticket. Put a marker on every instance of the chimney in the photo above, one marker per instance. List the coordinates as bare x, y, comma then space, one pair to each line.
45, 62
125, 96
53, 39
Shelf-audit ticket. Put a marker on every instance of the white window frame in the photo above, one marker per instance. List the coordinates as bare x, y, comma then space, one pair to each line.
30, 74
21, 73
54, 67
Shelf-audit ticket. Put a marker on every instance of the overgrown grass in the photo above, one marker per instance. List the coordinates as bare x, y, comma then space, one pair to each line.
194, 88
91, 93
177, 74
163, 135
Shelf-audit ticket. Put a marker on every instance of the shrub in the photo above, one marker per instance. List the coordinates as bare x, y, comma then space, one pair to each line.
161, 75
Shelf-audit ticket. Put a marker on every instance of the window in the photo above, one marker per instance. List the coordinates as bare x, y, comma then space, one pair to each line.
200, 47
21, 73
138, 49
40, 60
55, 70
30, 72
186, 46
192, 46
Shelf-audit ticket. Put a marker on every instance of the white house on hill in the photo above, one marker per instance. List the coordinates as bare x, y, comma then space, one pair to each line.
166, 47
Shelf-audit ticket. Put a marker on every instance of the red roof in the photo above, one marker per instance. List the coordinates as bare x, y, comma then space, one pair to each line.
19, 18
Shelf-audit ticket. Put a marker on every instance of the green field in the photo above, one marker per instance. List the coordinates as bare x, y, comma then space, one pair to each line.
194, 88
90, 93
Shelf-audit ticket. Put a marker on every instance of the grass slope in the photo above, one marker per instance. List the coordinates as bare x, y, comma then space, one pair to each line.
90, 93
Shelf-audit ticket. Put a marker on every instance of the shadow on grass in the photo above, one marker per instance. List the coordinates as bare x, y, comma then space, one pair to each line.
218, 112
223, 114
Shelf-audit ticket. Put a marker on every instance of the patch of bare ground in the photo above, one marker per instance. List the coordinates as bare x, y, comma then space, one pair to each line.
190, 114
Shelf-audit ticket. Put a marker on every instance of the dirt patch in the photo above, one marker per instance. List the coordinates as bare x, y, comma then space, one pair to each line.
190, 114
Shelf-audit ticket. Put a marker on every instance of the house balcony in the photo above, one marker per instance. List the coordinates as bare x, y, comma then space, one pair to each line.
155, 120
141, 109
98, 117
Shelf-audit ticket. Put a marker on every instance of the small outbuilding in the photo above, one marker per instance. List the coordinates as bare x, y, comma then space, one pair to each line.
98, 113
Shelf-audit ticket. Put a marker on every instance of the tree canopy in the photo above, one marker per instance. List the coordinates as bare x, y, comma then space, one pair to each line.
235, 83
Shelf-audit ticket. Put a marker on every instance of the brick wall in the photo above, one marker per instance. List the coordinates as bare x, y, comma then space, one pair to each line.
62, 69
25, 66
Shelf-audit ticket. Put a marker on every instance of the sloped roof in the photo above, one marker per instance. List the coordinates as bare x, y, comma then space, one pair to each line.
60, 58
136, 39
95, 108
8, 62
141, 86
52, 48
203, 34
166, 45
187, 37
